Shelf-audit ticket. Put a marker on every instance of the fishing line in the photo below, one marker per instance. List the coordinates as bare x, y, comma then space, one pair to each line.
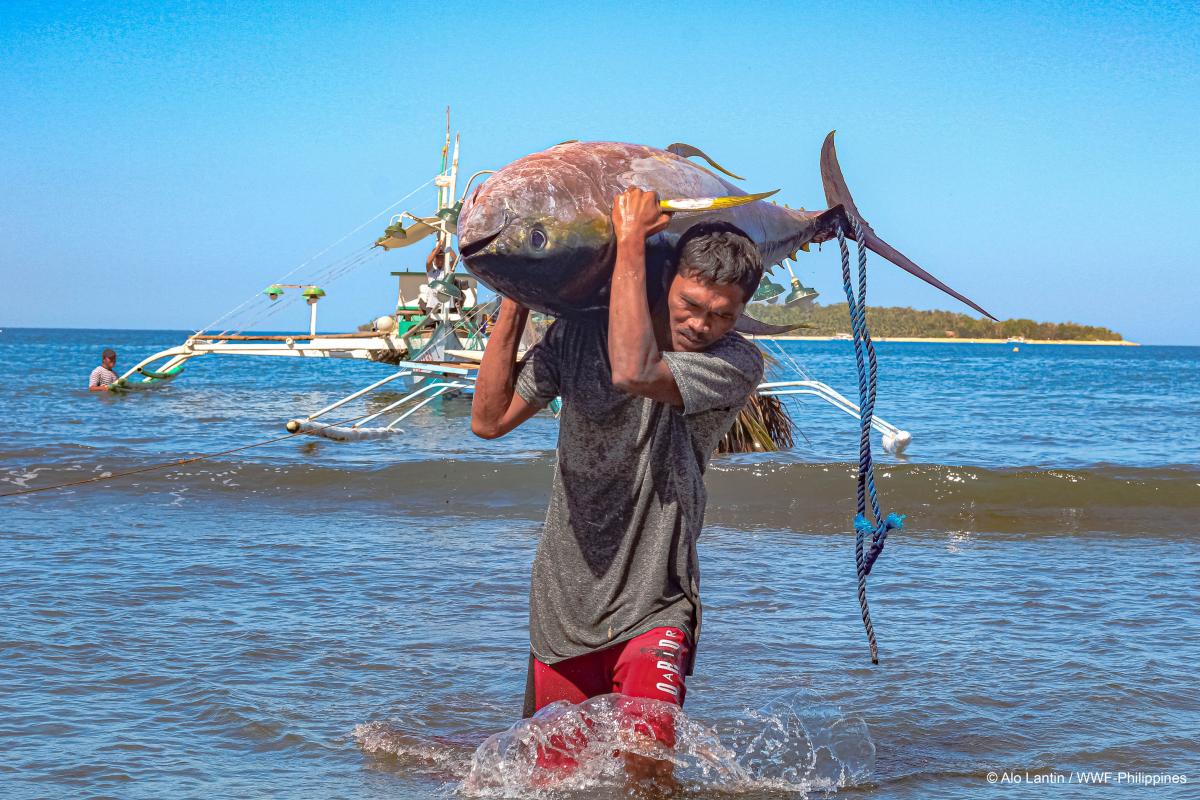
264, 308
176, 463
319, 254
327, 276
796, 401
343, 266
352, 265
314, 257
332, 276
290, 298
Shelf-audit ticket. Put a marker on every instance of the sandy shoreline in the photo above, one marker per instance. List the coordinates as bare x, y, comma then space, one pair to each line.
1121, 343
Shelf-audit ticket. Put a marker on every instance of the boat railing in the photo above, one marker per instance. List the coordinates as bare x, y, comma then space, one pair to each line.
895, 440
437, 379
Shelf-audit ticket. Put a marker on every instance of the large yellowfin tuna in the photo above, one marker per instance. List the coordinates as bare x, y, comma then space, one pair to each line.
539, 230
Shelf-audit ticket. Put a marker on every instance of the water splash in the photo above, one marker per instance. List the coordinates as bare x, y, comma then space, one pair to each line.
794, 745
802, 741
414, 751
567, 747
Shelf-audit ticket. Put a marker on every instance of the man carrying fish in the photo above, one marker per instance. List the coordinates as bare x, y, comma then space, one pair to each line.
650, 373
646, 395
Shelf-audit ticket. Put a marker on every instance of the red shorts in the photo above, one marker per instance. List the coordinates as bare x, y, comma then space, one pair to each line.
651, 665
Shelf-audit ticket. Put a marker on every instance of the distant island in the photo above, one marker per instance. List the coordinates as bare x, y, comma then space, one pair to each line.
891, 322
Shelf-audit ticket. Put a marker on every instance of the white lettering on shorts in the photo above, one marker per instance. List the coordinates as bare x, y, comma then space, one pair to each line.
670, 672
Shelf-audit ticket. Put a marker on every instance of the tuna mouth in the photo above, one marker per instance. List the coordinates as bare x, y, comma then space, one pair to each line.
493, 222
473, 248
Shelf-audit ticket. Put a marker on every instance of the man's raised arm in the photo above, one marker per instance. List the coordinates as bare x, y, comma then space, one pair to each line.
497, 408
633, 351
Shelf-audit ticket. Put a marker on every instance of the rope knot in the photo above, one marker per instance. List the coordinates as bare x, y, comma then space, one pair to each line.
878, 533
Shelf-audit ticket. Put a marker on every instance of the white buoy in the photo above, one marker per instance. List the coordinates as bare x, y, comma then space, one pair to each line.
339, 433
896, 443
385, 324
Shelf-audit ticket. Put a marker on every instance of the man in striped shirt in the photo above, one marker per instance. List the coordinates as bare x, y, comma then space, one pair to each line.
103, 376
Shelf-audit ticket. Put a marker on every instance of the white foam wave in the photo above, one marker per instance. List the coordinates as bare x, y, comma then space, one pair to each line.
795, 745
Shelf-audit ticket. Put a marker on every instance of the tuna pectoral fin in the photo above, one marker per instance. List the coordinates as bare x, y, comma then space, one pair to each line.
712, 203
837, 194
755, 327
687, 151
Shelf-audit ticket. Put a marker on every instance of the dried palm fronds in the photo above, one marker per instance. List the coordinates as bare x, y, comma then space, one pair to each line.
761, 426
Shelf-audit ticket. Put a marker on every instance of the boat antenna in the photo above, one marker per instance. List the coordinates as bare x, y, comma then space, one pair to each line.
445, 153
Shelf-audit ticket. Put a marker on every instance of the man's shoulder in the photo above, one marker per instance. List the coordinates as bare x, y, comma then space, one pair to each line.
739, 350
737, 341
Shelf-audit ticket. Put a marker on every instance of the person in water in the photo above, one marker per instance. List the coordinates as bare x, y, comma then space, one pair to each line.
103, 376
646, 396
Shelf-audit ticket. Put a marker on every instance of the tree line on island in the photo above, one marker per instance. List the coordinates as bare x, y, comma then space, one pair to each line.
894, 322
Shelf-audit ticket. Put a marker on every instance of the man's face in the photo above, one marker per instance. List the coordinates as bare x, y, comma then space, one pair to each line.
109, 361
701, 312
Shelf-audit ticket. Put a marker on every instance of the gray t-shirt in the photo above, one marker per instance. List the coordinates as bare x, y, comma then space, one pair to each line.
617, 556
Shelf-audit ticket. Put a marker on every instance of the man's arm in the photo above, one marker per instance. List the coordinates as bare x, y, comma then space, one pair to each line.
94, 384
637, 363
497, 408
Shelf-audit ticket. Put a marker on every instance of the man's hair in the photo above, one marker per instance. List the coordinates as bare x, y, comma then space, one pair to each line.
720, 253
108, 353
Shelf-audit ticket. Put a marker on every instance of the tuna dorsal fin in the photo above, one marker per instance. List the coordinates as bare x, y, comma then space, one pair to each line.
754, 327
688, 151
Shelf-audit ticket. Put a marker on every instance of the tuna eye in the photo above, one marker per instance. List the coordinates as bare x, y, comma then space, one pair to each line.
537, 239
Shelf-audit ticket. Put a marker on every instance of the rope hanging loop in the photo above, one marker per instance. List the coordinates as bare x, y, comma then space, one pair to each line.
876, 525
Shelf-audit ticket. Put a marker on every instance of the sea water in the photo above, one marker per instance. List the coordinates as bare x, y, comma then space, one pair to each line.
318, 619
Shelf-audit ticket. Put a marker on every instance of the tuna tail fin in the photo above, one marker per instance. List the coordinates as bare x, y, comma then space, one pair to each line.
836, 194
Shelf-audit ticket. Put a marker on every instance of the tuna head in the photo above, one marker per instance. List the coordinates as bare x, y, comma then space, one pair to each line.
539, 231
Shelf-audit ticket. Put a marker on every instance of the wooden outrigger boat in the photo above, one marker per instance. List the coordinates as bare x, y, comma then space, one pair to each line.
434, 339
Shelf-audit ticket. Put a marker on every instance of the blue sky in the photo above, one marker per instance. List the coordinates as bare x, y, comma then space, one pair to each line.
163, 162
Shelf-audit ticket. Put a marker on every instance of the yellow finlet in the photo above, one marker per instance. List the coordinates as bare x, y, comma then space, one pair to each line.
712, 203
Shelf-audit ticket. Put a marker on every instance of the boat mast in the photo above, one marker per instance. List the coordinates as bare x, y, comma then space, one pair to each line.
446, 183
441, 184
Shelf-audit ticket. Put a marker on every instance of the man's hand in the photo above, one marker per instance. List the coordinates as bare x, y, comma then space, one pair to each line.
437, 258
636, 214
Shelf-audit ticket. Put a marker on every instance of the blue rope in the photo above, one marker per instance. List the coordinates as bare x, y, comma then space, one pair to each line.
877, 525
